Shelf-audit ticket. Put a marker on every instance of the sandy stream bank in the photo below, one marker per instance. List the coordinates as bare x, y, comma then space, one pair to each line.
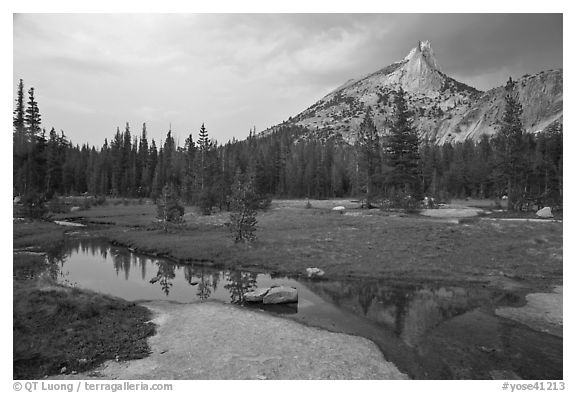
219, 341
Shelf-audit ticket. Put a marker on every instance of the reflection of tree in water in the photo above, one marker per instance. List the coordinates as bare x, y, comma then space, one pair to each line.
238, 284
207, 281
189, 274
204, 286
55, 260
121, 262
215, 280
142, 262
165, 275
366, 293
401, 300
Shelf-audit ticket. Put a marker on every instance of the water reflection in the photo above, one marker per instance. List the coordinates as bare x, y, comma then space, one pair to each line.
238, 284
428, 331
411, 312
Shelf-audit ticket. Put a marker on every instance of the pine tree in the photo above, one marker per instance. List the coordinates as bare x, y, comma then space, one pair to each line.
18, 119
54, 164
116, 155
188, 183
369, 157
510, 143
403, 150
20, 142
33, 160
143, 169
32, 118
203, 147
169, 151
169, 211
125, 175
243, 209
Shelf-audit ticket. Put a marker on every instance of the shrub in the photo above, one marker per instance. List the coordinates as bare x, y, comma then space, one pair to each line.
86, 204
34, 205
262, 202
100, 200
400, 200
169, 210
243, 215
56, 205
206, 200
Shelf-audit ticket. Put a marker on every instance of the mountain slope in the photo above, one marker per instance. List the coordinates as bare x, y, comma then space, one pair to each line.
444, 108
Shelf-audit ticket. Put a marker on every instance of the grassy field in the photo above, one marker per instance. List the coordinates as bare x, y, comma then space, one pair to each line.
56, 327
59, 328
358, 243
37, 234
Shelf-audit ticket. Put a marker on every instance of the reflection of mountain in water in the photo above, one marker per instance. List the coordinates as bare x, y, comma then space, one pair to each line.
429, 331
411, 312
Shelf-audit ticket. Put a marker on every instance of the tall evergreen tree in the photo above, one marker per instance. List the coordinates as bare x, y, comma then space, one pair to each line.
54, 163
32, 119
188, 183
510, 143
403, 149
19, 141
143, 169
19, 115
203, 147
369, 157
34, 169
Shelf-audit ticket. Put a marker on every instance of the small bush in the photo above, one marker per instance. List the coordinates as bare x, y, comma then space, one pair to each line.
206, 200
243, 215
400, 200
100, 201
56, 205
262, 202
170, 212
34, 206
86, 204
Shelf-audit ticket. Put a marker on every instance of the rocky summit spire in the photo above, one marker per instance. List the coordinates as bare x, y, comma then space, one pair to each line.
445, 109
424, 49
419, 72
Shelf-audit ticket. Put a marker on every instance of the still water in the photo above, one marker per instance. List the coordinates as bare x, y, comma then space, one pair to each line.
428, 331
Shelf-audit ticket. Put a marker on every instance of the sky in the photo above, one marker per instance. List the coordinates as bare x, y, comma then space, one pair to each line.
95, 72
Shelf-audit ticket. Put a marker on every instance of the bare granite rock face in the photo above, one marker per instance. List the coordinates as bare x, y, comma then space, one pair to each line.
217, 341
445, 109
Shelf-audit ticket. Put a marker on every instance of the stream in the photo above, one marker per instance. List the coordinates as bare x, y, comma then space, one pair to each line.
427, 331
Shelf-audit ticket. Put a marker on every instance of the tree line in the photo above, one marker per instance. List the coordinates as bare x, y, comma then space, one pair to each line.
379, 169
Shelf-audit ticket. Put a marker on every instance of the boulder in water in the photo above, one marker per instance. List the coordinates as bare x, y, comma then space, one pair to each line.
281, 294
256, 295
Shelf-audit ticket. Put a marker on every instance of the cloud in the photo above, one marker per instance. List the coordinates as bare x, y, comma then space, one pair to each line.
234, 71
